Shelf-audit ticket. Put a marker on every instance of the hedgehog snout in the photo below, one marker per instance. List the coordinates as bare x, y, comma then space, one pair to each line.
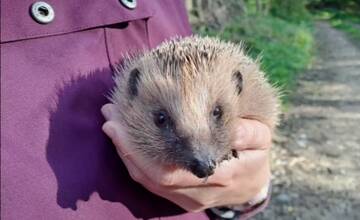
202, 166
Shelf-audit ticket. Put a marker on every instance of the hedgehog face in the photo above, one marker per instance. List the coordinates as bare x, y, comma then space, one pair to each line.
181, 121
179, 101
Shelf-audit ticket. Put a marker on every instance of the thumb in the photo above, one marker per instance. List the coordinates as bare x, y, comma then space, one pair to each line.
118, 136
251, 134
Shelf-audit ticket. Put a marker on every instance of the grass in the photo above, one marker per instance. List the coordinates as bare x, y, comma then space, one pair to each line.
285, 48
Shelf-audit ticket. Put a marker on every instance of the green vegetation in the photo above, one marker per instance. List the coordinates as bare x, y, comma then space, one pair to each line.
278, 31
284, 48
342, 14
352, 29
345, 21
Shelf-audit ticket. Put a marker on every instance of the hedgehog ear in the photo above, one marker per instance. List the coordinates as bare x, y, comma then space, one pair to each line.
238, 79
133, 82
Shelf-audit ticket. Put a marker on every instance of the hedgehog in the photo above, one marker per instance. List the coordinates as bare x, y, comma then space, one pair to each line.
179, 101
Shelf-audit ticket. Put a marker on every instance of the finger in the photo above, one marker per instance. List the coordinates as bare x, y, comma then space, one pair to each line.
251, 172
142, 167
118, 136
133, 161
113, 130
256, 178
109, 129
261, 196
252, 180
248, 163
159, 174
251, 134
108, 111
132, 169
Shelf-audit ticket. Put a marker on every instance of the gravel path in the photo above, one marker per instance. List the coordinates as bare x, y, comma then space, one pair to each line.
316, 160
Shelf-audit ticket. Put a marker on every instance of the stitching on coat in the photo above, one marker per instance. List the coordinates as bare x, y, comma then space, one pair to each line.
77, 29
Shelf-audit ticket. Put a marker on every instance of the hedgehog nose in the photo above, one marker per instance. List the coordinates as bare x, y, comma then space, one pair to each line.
202, 168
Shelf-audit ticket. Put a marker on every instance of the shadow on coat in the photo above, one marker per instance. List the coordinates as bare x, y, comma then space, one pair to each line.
84, 160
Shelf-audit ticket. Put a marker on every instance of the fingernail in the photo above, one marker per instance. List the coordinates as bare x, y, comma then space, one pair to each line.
106, 112
109, 130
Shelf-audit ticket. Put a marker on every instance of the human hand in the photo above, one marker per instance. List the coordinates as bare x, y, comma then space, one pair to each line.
234, 182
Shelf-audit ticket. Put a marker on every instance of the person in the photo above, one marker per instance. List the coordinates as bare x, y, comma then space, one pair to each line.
57, 60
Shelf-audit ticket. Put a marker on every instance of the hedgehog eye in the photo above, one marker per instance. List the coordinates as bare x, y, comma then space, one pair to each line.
161, 118
217, 113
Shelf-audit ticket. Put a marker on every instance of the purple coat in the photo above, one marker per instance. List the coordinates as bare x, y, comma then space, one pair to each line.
56, 163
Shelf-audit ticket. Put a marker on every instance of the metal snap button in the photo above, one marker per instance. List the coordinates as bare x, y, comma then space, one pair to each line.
42, 12
130, 4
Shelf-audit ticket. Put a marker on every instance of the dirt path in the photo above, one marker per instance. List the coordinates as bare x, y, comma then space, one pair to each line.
317, 160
